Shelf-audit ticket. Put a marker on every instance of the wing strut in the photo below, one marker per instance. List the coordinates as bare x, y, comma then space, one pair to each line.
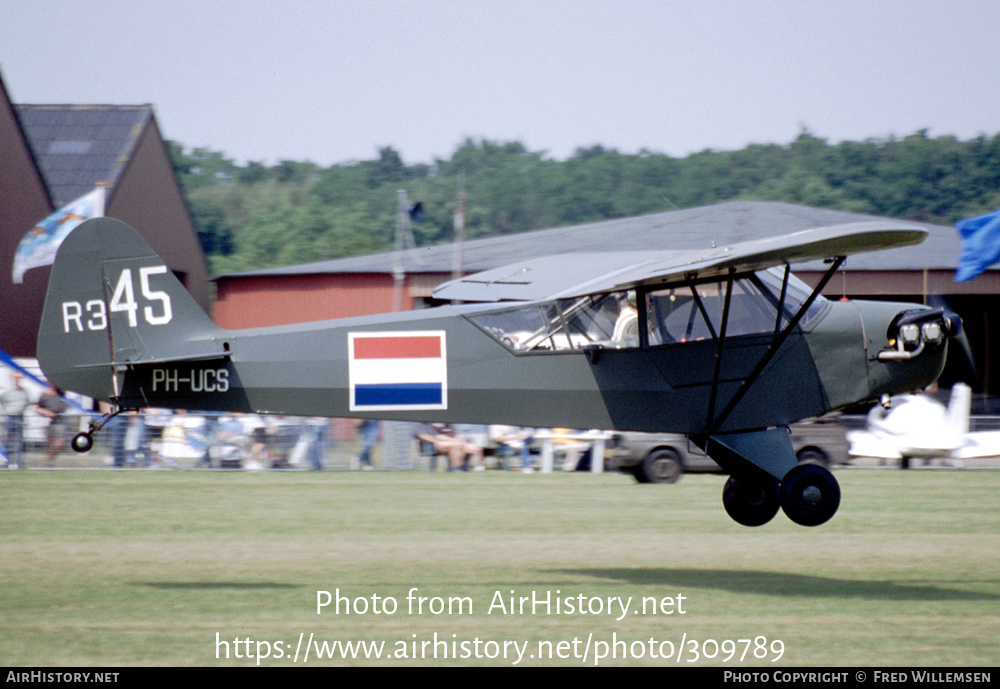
781, 299
772, 349
720, 342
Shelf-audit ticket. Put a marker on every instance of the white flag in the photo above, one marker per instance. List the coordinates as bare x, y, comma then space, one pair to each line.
39, 246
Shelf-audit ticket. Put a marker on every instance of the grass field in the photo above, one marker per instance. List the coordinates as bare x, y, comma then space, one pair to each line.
113, 568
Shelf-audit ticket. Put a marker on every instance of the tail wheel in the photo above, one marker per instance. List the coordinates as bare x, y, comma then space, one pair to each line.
82, 442
809, 495
751, 503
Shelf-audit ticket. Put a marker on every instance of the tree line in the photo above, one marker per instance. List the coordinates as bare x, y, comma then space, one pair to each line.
256, 216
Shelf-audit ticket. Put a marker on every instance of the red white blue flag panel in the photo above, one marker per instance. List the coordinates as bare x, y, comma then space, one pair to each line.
398, 371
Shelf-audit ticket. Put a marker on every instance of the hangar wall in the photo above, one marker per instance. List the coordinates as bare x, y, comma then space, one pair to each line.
255, 302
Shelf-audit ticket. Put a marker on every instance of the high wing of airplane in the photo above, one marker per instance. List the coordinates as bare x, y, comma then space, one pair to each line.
918, 426
724, 345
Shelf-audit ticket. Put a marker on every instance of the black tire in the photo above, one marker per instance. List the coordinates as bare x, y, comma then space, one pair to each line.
751, 503
82, 442
809, 494
812, 455
662, 465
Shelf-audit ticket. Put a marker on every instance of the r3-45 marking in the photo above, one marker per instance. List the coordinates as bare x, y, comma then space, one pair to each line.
93, 315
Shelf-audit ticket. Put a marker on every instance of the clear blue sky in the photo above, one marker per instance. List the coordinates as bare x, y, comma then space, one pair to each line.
332, 81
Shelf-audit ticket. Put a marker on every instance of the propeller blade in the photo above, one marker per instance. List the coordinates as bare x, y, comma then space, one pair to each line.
956, 332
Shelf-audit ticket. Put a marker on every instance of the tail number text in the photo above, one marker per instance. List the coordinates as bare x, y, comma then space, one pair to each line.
156, 308
197, 380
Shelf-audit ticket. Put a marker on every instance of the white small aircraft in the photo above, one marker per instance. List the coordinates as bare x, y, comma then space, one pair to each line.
918, 426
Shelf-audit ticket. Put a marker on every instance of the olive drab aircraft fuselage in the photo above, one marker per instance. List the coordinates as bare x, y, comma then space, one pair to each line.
724, 345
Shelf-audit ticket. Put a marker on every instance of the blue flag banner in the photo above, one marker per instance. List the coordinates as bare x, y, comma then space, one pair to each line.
980, 245
7, 360
416, 211
40, 244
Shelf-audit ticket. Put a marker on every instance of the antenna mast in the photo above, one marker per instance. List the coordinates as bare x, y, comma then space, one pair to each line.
459, 225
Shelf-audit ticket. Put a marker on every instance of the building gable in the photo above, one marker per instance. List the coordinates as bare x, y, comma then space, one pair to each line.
52, 155
79, 145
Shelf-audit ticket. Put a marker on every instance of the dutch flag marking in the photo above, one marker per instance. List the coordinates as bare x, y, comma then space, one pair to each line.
398, 371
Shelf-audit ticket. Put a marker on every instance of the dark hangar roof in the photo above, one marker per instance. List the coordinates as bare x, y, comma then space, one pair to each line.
693, 228
77, 146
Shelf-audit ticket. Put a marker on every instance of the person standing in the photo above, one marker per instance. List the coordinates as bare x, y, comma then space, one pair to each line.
369, 431
52, 406
14, 403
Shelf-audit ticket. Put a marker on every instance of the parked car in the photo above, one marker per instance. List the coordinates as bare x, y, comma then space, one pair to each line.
664, 457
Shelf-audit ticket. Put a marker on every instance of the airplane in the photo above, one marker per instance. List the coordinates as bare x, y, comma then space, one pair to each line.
723, 345
918, 426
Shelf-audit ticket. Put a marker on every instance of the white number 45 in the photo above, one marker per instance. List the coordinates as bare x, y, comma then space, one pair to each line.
123, 298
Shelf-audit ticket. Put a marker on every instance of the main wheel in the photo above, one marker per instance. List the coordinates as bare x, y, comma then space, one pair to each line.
663, 465
809, 494
751, 503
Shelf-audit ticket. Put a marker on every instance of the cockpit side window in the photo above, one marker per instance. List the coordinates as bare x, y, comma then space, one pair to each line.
674, 315
694, 312
760, 304
607, 320
530, 328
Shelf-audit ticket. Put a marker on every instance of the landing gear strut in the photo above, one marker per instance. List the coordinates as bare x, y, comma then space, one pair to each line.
82, 442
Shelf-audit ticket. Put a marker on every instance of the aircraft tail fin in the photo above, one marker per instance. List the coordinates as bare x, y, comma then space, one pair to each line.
958, 409
112, 302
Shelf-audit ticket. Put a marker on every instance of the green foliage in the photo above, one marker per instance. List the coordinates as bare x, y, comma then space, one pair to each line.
255, 216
